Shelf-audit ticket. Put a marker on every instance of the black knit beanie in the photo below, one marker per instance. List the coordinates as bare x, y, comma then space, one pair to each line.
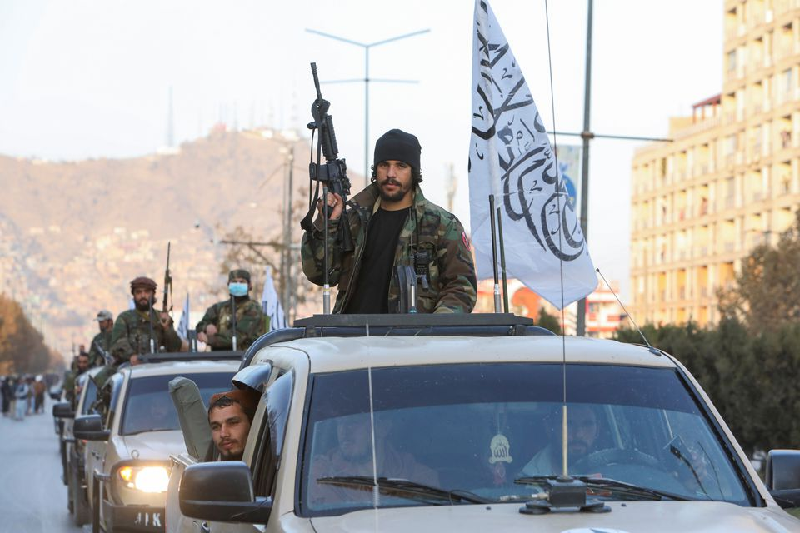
397, 145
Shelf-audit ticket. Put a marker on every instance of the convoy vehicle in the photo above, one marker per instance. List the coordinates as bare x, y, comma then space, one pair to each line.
130, 441
63, 415
75, 450
454, 423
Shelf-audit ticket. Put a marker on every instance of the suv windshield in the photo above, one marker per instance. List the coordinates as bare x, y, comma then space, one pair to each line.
487, 432
148, 406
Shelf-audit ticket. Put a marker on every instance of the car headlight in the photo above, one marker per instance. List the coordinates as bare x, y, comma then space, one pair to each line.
145, 478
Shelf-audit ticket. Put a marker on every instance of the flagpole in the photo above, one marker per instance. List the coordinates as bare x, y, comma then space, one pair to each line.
502, 259
494, 255
586, 135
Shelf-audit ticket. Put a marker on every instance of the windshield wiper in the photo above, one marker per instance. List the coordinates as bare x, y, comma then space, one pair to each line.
611, 484
132, 433
405, 489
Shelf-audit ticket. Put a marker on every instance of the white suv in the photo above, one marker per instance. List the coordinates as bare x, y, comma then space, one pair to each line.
129, 445
454, 423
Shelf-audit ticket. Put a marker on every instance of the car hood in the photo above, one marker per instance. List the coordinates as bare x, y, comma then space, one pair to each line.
152, 445
624, 517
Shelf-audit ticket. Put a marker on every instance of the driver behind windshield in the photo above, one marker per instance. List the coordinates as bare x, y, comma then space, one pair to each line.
583, 431
352, 456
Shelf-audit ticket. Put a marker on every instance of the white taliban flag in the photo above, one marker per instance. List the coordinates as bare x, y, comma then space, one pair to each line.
270, 304
183, 325
510, 156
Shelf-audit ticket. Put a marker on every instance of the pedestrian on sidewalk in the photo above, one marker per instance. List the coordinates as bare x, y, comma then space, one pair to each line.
6, 394
21, 397
38, 395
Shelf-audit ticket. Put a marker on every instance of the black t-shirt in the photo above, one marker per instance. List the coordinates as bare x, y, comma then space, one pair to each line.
371, 289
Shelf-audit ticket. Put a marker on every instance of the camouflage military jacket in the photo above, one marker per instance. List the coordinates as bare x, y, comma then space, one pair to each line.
100, 343
451, 280
131, 335
250, 323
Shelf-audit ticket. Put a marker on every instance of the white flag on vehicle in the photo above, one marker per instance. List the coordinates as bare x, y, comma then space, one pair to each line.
270, 303
183, 325
510, 156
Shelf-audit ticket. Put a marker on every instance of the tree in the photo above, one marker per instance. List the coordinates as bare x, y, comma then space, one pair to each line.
751, 377
766, 294
22, 348
548, 321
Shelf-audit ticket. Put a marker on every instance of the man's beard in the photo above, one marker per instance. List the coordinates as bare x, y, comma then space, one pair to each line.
232, 456
396, 196
142, 304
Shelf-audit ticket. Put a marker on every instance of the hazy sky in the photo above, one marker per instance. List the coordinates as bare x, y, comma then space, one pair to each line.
91, 78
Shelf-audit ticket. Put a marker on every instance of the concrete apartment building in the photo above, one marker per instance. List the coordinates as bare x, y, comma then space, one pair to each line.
729, 180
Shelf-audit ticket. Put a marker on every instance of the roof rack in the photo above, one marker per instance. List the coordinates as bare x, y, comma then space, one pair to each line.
163, 357
401, 325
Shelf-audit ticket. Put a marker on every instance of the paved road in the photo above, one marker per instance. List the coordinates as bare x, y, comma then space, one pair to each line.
32, 497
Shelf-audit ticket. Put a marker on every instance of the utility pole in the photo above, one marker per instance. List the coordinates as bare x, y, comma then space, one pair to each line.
452, 186
367, 80
288, 259
586, 135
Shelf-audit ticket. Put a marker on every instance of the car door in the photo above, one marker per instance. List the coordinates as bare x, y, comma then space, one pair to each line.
265, 446
96, 450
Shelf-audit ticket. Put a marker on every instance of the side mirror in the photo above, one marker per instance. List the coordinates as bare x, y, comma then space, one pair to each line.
222, 492
90, 427
783, 477
63, 410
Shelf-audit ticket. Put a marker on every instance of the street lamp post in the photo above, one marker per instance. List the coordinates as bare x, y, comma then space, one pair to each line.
367, 79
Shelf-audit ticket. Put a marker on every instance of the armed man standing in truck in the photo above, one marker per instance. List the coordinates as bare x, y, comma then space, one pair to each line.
237, 314
393, 225
100, 350
142, 330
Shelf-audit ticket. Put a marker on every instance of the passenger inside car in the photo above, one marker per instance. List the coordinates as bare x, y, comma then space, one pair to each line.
583, 438
230, 415
352, 455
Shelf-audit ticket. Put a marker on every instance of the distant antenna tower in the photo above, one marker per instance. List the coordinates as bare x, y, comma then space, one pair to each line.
170, 133
452, 186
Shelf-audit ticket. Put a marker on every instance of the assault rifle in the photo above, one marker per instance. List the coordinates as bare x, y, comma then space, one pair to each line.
333, 176
166, 307
106, 356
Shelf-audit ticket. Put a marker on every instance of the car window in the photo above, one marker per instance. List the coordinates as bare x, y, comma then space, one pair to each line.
89, 397
480, 427
148, 406
278, 398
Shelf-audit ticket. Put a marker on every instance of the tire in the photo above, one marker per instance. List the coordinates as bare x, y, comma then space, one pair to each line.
63, 447
95, 506
80, 507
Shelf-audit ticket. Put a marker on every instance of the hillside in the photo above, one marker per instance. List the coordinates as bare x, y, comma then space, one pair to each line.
72, 234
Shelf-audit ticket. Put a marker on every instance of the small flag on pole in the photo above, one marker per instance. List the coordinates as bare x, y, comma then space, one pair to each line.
510, 156
183, 325
270, 304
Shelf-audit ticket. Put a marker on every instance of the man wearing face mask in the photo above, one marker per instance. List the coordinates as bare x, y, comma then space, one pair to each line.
142, 330
217, 326
393, 225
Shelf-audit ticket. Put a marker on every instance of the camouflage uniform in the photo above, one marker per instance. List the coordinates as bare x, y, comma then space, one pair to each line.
452, 281
101, 341
68, 386
131, 335
250, 323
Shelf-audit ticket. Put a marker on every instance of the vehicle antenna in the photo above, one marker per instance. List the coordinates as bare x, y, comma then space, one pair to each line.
565, 477
652, 349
